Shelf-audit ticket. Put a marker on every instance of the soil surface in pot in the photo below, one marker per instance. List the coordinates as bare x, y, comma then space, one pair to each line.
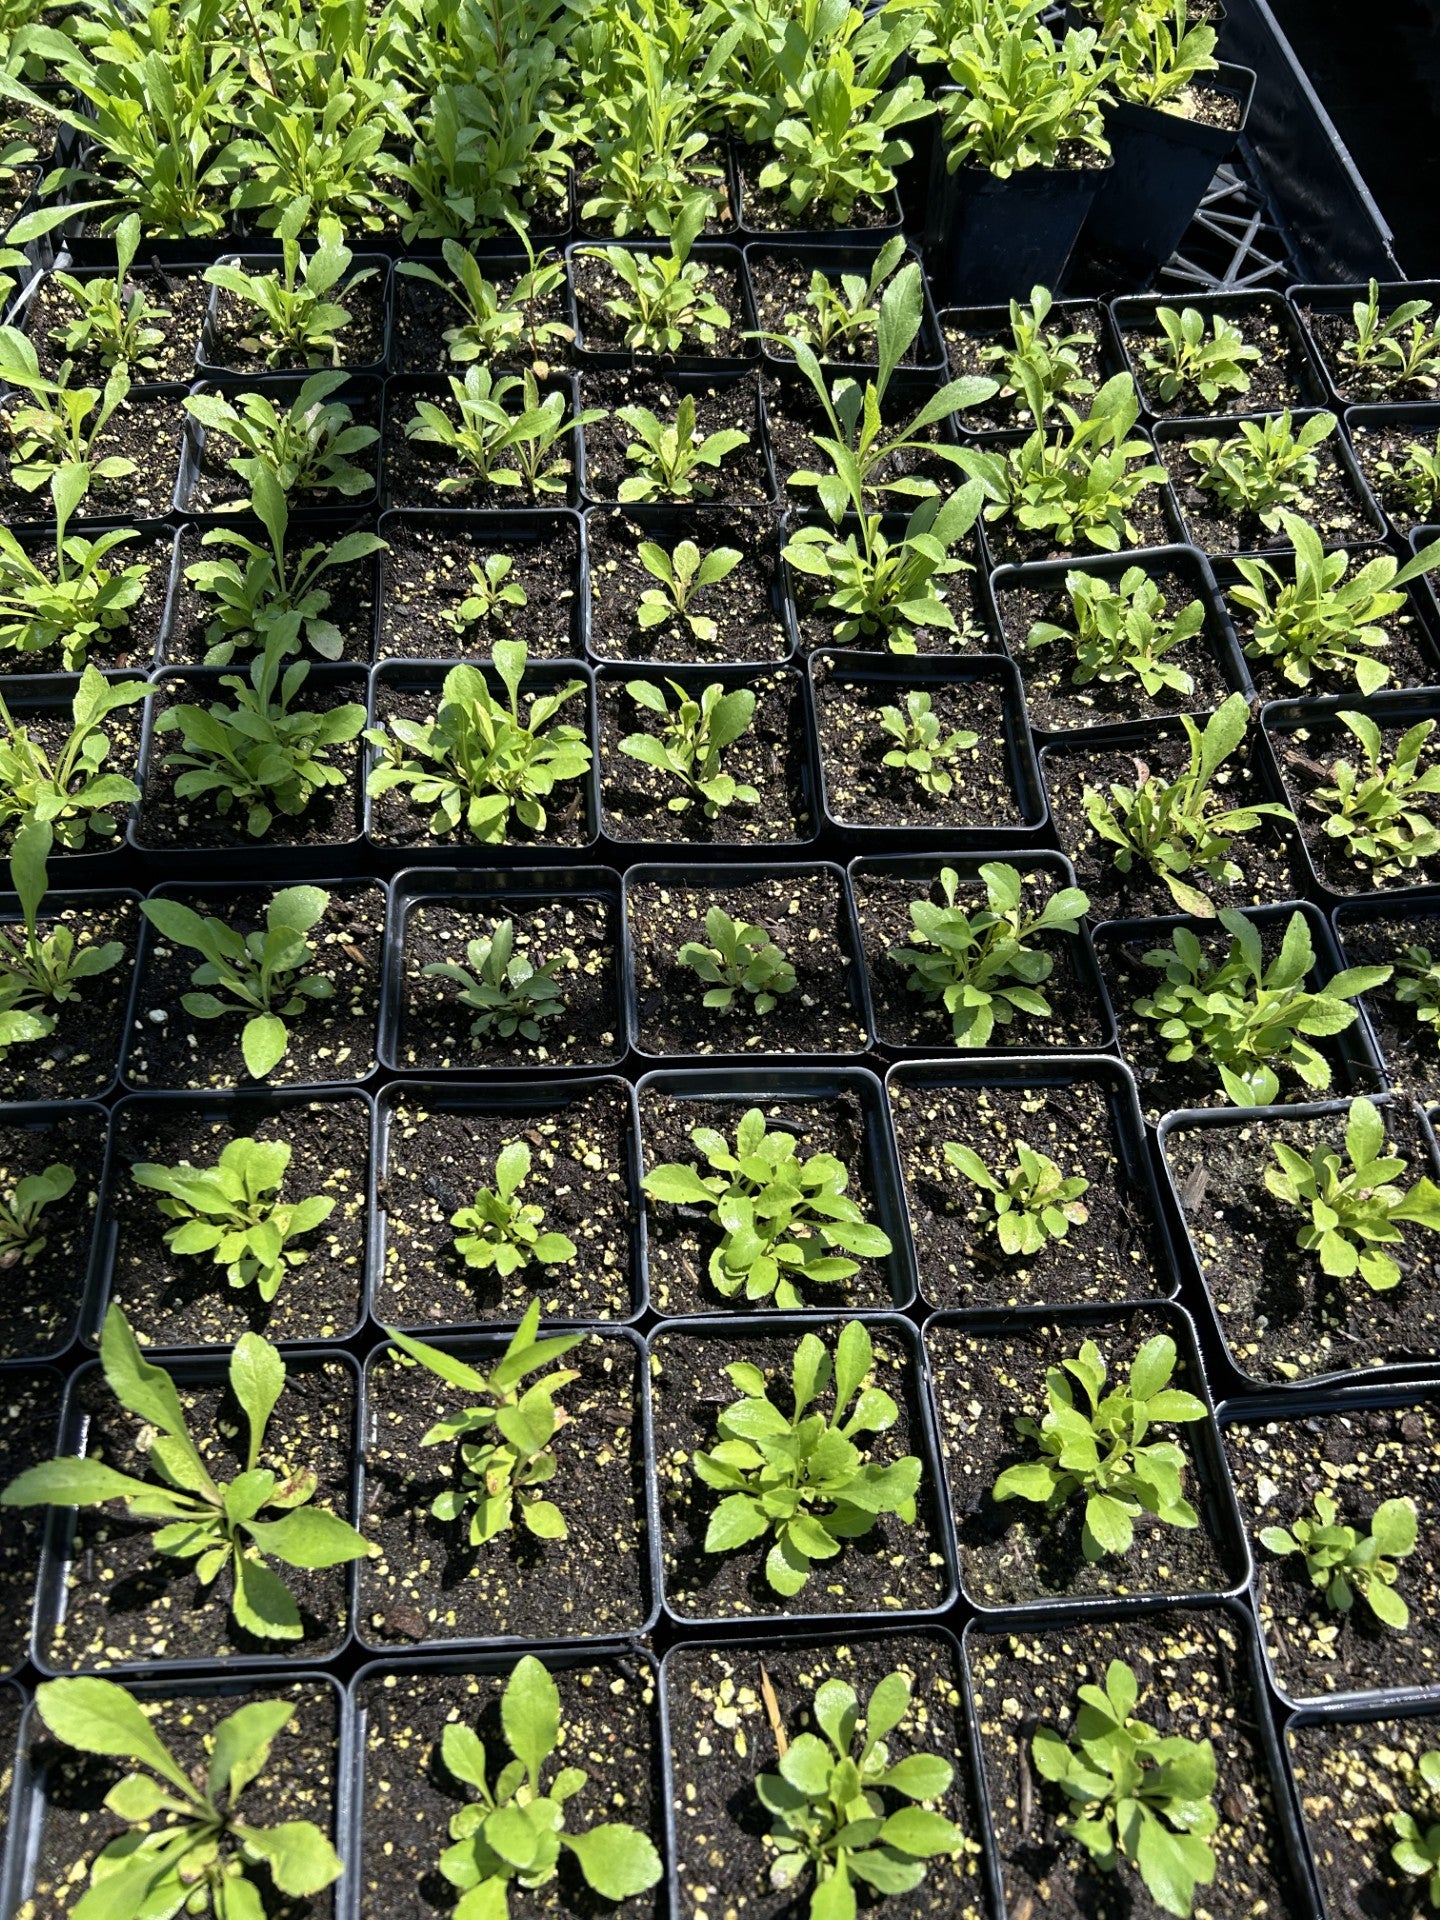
764, 211
181, 295
1012, 1552
969, 350
1332, 332
211, 485
145, 429
794, 418
906, 1019
819, 624
708, 174
861, 790
597, 284
681, 1239
435, 1027
414, 469
892, 1568
331, 1040
79, 1057
742, 605
1410, 1049
1262, 853
722, 1740
780, 283
130, 646
1114, 1253
49, 728
350, 590
804, 915
428, 1582
1282, 1316
608, 1719
1194, 1679
423, 314
1359, 1457
438, 1155
298, 1782
732, 403
1330, 504
771, 756
426, 576
40, 1295
124, 1603
1392, 445
1146, 519
29, 1415
1280, 378
1353, 1779
184, 1300
1407, 651
1057, 704
1307, 757
237, 345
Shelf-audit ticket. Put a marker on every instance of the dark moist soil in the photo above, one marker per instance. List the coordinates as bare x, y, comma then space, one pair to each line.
1352, 1779
1359, 1458
1013, 545
818, 625
1409, 655
709, 174
213, 486
40, 1298
733, 403
965, 348
29, 1414
415, 468
351, 589
179, 1300
439, 1154
1280, 378
239, 345
422, 314
331, 818
428, 1583
1263, 852
397, 821
330, 1039
893, 1568
681, 1239
1012, 1553
1282, 1317
861, 791
80, 1058
608, 1722
425, 577
1056, 705
1307, 758
905, 1019
769, 756
1165, 1087
596, 284
1411, 1052
131, 646
794, 417
146, 429
298, 1782
780, 283
123, 1603
1357, 385
1194, 1680
49, 727
1113, 1254
1331, 506
804, 915
721, 1740
434, 1026
743, 605
1393, 443
767, 212
184, 295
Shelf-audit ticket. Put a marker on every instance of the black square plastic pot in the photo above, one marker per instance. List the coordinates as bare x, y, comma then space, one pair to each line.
163, 403
218, 899
748, 164
794, 415
1072, 952
274, 855
12, 1710
650, 988
991, 324
30, 1403
1371, 932
1324, 311
44, 701
1047, 1080
927, 354
1368, 429
834, 1586
816, 624
1155, 514
1163, 163
425, 1565
1138, 313
378, 265
154, 547
402, 390
718, 1849
501, 894
363, 394
26, 1078
150, 277
1119, 1332
1367, 527
1355, 1065
438, 1179
792, 763
42, 1304
517, 530
417, 305
886, 678
65, 1544
722, 258
426, 678
1215, 1648
675, 386
1216, 643
208, 1123
1244, 1378
1354, 1420
1423, 592
1325, 738
777, 1092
